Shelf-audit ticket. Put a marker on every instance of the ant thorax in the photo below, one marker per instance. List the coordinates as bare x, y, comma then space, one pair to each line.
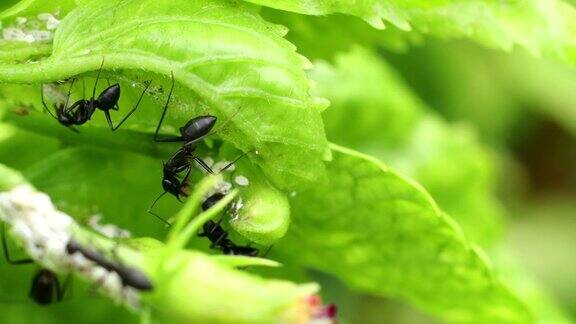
44, 232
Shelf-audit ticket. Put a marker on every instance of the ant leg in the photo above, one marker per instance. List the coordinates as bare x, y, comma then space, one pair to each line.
185, 180
129, 113
267, 251
69, 92
97, 77
170, 138
232, 163
44, 102
203, 164
158, 216
7, 254
222, 238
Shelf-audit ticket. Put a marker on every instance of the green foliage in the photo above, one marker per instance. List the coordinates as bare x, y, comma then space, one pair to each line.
540, 26
384, 235
392, 123
229, 72
405, 229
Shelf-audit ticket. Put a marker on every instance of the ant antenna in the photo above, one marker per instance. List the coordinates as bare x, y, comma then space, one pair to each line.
97, 77
7, 254
158, 216
107, 113
69, 92
235, 160
223, 126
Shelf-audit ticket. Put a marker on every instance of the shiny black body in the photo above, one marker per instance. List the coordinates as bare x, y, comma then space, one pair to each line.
46, 288
130, 277
192, 132
176, 171
82, 110
218, 235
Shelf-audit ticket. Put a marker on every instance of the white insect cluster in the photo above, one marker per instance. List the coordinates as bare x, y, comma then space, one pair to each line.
27, 30
44, 232
110, 231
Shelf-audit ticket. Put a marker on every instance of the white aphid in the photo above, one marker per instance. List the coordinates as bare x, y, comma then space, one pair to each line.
235, 209
109, 230
223, 187
21, 21
51, 21
241, 180
44, 232
41, 35
16, 34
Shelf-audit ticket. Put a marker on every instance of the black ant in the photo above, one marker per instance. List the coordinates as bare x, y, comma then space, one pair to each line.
192, 132
218, 235
46, 288
82, 110
130, 277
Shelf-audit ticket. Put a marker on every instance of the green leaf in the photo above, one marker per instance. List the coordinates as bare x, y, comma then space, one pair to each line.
31, 8
383, 234
265, 213
214, 291
226, 60
24, 22
86, 181
9, 178
375, 112
540, 26
120, 186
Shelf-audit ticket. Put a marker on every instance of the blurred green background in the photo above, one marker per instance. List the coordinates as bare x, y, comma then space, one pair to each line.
520, 110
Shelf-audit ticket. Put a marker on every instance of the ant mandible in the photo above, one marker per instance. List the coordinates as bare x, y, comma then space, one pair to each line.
82, 110
46, 288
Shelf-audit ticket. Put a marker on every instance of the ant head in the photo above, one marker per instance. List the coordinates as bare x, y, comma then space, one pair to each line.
109, 97
43, 284
212, 200
197, 127
171, 186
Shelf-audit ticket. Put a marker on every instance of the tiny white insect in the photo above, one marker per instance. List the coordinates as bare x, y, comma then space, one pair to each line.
241, 180
44, 233
108, 230
21, 21
51, 21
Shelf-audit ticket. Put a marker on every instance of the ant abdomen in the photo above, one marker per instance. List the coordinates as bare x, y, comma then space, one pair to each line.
197, 127
109, 97
43, 287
